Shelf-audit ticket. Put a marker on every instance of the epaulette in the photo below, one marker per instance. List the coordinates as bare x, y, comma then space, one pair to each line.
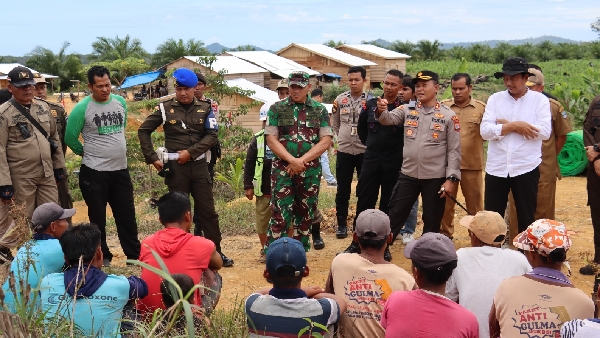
479, 102
554, 102
446, 101
51, 104
344, 94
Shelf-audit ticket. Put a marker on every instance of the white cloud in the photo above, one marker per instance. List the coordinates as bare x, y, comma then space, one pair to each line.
346, 16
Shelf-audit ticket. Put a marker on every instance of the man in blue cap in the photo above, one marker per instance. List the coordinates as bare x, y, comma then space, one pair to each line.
190, 129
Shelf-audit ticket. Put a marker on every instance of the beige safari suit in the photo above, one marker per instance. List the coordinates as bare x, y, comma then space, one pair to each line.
471, 167
27, 163
549, 170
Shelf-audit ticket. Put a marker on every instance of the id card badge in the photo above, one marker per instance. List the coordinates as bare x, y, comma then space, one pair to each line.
353, 130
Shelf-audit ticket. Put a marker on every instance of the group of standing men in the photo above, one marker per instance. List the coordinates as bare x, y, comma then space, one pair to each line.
34, 135
408, 140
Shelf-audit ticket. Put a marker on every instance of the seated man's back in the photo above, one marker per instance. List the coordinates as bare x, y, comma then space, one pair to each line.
287, 309
482, 268
39, 256
366, 280
181, 252
94, 300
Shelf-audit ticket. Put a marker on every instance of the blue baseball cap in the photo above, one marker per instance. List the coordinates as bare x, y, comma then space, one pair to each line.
286, 252
185, 78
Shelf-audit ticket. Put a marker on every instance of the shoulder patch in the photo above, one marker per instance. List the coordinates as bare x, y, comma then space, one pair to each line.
564, 114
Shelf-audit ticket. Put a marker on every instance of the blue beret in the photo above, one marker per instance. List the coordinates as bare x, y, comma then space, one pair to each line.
185, 78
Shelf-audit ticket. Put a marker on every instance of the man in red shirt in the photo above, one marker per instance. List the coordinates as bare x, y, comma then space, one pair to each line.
180, 251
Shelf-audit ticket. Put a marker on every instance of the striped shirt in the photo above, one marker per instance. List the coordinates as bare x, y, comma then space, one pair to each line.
289, 313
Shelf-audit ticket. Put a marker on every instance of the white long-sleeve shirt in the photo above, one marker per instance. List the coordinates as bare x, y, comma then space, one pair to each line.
512, 154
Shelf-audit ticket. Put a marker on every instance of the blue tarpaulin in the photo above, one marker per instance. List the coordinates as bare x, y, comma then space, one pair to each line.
140, 79
333, 75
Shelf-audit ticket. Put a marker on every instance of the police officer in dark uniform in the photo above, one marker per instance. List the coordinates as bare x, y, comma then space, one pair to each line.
383, 156
59, 113
215, 151
190, 130
591, 140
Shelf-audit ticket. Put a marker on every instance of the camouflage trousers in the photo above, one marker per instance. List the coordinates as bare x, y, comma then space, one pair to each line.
293, 202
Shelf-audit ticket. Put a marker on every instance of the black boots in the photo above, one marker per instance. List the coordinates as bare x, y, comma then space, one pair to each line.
342, 230
227, 262
318, 243
353, 248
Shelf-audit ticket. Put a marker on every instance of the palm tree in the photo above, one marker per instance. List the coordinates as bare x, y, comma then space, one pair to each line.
333, 43
502, 51
430, 50
107, 49
406, 47
480, 53
543, 50
174, 49
456, 53
66, 66
525, 51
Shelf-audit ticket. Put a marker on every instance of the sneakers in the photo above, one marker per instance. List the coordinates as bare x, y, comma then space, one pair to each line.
407, 238
332, 185
227, 262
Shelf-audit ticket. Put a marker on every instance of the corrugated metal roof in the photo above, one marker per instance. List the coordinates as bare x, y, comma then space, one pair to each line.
261, 94
273, 62
334, 54
231, 64
5, 68
375, 50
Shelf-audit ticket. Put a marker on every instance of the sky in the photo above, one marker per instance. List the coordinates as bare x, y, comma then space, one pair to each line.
275, 24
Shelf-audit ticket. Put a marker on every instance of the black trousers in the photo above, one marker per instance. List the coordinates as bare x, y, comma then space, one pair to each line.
115, 188
376, 175
193, 178
524, 188
593, 190
406, 192
344, 167
64, 196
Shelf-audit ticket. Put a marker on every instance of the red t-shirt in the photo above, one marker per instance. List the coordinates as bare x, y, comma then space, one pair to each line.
181, 252
419, 314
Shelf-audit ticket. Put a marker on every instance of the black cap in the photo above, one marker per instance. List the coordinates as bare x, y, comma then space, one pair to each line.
20, 77
512, 66
426, 75
200, 77
5, 95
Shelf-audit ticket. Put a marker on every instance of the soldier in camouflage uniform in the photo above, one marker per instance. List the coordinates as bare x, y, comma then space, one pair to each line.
298, 133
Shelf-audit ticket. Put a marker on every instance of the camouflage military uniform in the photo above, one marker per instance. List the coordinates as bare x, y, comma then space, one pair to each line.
294, 199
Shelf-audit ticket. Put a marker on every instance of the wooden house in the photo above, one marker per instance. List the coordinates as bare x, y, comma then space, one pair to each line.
384, 58
326, 60
278, 67
236, 68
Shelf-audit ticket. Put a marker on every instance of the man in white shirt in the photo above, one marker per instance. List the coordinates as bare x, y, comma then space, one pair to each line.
515, 123
481, 268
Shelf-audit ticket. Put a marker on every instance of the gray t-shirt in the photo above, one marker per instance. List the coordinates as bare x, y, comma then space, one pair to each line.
102, 125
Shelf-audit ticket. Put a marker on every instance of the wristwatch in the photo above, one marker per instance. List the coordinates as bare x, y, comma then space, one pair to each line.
596, 148
452, 178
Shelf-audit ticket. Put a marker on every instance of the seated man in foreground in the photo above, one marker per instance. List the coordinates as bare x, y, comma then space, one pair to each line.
38, 257
366, 280
181, 252
288, 309
483, 267
84, 293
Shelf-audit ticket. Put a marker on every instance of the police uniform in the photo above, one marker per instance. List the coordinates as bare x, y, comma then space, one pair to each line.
471, 165
60, 115
26, 162
591, 137
298, 127
193, 128
345, 113
431, 154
